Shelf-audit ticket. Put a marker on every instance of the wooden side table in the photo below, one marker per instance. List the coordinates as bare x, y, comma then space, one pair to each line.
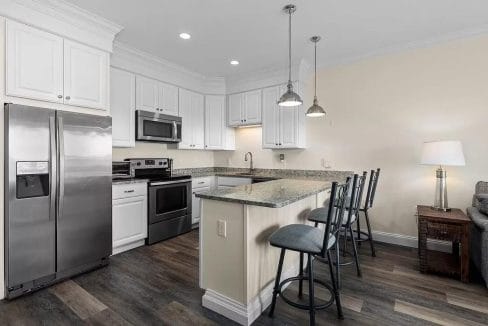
448, 226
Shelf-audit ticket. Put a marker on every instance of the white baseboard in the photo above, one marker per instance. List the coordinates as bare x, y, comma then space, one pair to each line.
410, 241
239, 312
128, 246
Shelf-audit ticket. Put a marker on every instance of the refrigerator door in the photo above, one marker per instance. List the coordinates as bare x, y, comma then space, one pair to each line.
30, 189
84, 223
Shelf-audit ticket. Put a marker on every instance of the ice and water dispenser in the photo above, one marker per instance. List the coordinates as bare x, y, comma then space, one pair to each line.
32, 179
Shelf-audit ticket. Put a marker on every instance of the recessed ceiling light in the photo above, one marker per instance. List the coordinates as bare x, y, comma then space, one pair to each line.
185, 36
234, 62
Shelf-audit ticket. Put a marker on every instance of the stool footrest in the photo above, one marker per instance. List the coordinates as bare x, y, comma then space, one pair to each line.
303, 306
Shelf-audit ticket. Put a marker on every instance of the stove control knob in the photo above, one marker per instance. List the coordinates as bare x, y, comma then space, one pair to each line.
138, 163
160, 163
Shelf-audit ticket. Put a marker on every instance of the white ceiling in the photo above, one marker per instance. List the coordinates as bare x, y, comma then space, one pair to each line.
255, 31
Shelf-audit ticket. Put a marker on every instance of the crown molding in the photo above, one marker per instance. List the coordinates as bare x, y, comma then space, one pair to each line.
137, 61
65, 19
409, 46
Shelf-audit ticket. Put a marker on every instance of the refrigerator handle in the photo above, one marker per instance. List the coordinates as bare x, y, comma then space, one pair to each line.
53, 158
60, 134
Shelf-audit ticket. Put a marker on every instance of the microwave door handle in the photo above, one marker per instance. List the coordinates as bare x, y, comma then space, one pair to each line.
175, 131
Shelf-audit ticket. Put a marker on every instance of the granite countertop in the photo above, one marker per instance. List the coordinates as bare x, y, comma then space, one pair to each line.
129, 181
275, 194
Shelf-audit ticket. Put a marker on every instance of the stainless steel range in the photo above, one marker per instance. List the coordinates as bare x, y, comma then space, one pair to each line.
169, 198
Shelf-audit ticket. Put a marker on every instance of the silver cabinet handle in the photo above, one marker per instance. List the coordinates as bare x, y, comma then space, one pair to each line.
201, 182
129, 191
60, 96
68, 97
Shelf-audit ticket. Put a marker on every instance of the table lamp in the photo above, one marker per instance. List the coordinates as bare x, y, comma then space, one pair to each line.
442, 153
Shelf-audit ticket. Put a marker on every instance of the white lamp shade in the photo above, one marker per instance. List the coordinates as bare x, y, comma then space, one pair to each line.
443, 153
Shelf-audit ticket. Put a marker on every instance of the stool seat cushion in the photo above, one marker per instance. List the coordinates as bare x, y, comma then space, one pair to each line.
320, 215
300, 237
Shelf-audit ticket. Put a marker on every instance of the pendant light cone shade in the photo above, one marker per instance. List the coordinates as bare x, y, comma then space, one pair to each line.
315, 110
290, 98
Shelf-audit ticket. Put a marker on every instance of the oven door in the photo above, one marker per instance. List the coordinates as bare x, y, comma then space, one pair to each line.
169, 200
157, 127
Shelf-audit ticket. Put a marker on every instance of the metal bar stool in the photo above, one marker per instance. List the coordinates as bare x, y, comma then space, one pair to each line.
312, 241
351, 213
373, 183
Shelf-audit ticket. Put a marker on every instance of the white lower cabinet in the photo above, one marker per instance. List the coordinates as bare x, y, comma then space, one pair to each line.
199, 185
129, 216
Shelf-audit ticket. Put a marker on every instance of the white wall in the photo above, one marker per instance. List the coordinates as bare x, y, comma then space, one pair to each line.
379, 111
181, 158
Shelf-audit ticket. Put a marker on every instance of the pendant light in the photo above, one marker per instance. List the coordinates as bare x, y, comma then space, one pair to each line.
289, 98
315, 110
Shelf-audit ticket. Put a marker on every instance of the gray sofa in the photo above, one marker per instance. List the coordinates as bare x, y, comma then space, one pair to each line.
479, 233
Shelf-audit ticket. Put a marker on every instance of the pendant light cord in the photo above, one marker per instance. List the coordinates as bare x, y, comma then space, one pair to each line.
315, 61
289, 46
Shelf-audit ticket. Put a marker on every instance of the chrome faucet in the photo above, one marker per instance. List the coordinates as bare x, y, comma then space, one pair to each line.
251, 168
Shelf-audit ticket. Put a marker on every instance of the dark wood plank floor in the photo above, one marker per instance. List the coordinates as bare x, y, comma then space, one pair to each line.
158, 285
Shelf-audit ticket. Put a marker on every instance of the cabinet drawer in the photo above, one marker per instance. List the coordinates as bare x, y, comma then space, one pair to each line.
444, 231
201, 182
128, 190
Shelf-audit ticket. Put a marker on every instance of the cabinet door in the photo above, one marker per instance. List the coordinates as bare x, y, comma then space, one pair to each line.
252, 107
198, 121
147, 94
129, 220
289, 127
234, 110
185, 104
168, 99
86, 72
271, 117
195, 204
34, 63
214, 122
122, 107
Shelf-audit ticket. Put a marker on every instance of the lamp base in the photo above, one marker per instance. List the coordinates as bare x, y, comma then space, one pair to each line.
440, 202
441, 209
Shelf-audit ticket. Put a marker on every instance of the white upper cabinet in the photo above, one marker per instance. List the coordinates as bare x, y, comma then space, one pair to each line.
86, 76
271, 129
46, 67
214, 121
191, 111
252, 107
283, 127
122, 107
168, 99
34, 63
155, 96
245, 108
217, 135
147, 94
198, 121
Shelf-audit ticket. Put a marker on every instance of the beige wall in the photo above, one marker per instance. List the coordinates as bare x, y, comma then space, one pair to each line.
379, 111
182, 158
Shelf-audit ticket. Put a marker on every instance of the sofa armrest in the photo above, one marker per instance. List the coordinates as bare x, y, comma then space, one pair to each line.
478, 218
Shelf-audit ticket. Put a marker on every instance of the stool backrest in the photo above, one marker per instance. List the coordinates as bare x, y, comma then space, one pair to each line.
337, 204
373, 183
356, 196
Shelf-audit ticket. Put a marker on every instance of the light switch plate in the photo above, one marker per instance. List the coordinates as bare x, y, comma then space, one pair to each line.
222, 228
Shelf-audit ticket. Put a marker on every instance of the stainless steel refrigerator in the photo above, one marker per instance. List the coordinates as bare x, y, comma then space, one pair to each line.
58, 195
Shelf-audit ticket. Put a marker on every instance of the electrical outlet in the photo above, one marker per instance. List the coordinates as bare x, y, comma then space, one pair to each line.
222, 228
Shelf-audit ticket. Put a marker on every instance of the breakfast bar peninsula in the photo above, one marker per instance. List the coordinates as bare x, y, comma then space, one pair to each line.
237, 264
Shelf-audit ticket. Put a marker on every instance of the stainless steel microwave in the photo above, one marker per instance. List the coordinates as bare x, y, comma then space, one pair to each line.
157, 127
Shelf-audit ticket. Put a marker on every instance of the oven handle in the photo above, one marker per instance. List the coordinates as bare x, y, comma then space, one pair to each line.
162, 183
